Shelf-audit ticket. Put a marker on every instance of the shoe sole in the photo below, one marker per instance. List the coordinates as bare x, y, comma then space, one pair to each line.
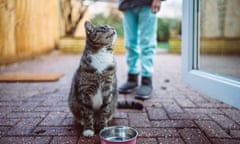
142, 97
127, 91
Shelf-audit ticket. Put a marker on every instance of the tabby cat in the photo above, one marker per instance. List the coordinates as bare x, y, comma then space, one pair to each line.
93, 94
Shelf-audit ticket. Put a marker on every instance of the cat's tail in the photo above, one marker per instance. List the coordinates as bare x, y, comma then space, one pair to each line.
129, 104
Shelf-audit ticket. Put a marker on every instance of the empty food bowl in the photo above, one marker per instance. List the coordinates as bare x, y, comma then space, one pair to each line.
118, 135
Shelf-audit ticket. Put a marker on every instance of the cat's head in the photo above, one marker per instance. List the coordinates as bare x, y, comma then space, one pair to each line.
100, 36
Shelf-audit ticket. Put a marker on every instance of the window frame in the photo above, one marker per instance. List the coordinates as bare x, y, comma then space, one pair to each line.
215, 86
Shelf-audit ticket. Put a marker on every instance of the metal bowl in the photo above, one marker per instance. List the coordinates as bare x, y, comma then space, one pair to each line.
118, 134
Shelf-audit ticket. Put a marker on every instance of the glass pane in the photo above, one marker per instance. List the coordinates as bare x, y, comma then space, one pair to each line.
220, 37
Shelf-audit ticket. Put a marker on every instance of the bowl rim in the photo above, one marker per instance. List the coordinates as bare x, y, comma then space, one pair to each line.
110, 127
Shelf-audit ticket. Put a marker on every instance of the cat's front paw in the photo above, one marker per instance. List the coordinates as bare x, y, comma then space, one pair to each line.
88, 133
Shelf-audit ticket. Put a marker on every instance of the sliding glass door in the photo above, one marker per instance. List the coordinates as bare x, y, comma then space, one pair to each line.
211, 48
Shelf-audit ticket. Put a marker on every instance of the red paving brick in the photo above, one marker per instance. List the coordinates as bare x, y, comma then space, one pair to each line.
170, 141
211, 129
147, 141
38, 113
193, 136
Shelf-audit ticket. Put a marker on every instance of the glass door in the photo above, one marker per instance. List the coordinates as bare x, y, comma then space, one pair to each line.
211, 48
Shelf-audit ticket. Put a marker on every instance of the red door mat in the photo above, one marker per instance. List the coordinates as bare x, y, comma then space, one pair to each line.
30, 77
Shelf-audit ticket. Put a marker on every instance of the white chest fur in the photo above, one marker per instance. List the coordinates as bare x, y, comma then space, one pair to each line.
97, 100
101, 60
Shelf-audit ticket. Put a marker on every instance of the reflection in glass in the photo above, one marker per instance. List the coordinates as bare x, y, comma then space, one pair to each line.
220, 37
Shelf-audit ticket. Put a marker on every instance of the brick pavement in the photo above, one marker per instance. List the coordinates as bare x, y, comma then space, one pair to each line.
38, 112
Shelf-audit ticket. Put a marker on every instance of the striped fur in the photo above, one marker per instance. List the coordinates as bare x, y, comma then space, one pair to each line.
93, 94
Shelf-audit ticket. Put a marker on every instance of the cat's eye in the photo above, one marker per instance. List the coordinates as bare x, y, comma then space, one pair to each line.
104, 28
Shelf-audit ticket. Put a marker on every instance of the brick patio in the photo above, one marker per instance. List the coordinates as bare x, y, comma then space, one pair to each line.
38, 113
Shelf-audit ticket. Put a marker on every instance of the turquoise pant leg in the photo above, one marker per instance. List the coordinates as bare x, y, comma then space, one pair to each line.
140, 39
130, 23
147, 39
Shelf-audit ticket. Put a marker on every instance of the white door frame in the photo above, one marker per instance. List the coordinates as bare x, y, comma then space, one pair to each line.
215, 86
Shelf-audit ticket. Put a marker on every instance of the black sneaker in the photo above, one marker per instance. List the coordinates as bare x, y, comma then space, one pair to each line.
130, 85
145, 90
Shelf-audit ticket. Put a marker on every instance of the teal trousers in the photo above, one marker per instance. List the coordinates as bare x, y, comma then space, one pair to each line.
140, 30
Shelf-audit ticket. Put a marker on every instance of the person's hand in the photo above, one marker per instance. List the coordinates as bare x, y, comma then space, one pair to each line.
156, 5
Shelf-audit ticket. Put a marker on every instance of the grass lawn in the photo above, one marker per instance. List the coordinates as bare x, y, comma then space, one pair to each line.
163, 45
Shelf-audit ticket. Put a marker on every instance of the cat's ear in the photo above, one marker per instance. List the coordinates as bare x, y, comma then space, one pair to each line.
88, 27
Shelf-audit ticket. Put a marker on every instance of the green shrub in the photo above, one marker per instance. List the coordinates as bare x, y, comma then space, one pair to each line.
113, 20
164, 27
163, 33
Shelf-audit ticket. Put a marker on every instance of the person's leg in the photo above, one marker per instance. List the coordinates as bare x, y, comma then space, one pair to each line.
147, 36
148, 39
130, 25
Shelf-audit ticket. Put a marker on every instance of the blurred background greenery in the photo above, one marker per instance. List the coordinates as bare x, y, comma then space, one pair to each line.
167, 27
